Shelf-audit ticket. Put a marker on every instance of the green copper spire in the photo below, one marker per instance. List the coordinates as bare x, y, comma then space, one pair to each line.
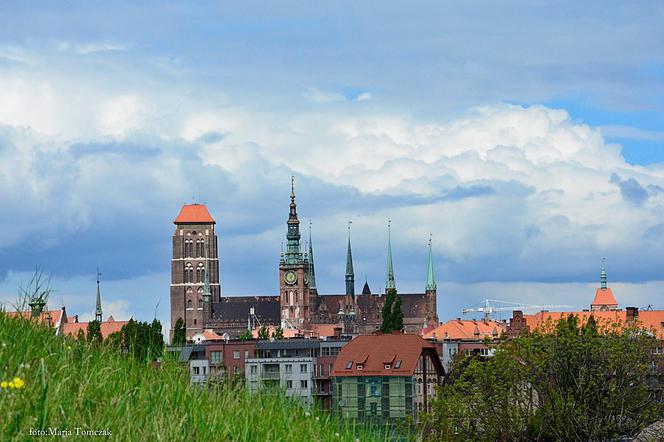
602, 275
350, 274
389, 284
312, 270
293, 253
98, 313
431, 280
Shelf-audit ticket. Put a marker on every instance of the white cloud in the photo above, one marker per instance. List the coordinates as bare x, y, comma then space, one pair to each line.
85, 48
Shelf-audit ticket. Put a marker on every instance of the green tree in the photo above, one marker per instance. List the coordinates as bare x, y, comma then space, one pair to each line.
278, 333
568, 381
142, 340
263, 333
397, 314
246, 336
93, 332
392, 314
179, 333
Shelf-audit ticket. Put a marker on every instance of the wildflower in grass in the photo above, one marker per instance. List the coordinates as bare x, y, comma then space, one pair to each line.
18, 383
4, 384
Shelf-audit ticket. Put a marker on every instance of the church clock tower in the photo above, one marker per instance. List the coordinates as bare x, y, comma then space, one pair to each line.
295, 299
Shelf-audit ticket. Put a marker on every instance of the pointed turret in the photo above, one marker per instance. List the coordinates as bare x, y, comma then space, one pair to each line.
430, 292
98, 312
293, 253
431, 280
389, 283
350, 274
312, 270
602, 276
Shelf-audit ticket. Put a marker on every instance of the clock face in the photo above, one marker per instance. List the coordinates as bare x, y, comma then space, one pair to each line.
290, 277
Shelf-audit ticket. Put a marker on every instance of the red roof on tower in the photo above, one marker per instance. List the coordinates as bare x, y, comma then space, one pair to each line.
604, 297
194, 213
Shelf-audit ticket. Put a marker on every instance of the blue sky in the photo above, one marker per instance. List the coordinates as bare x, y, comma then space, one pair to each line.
525, 136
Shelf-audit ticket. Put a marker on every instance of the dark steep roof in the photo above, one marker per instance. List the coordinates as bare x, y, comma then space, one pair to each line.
234, 308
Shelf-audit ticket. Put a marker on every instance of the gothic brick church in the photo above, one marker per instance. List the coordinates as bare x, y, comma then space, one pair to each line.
196, 291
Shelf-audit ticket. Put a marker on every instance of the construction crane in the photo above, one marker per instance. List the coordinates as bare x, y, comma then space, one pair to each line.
488, 309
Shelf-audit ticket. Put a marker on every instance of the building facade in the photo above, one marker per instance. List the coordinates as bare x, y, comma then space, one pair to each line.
386, 377
196, 289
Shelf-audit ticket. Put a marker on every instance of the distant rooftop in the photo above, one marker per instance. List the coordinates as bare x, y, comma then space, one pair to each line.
194, 213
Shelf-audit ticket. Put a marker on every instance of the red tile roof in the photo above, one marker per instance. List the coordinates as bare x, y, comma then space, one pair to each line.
466, 329
373, 352
194, 213
604, 297
107, 328
55, 316
651, 320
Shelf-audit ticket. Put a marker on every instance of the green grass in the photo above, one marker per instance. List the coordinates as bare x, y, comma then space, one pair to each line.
70, 384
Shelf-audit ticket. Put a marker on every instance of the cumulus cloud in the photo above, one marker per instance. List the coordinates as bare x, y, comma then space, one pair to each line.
510, 193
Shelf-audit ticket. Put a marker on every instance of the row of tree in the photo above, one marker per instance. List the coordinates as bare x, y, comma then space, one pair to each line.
569, 381
142, 340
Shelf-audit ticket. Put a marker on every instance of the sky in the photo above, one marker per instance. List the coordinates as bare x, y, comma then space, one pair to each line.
526, 137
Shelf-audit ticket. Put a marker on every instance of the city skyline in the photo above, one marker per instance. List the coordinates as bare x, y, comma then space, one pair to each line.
526, 139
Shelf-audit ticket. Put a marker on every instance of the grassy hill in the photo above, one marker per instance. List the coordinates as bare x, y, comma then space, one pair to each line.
69, 385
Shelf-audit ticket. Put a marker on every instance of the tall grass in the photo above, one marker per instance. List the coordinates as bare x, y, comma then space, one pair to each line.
70, 385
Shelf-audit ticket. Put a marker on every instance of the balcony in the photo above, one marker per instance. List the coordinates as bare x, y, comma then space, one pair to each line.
270, 376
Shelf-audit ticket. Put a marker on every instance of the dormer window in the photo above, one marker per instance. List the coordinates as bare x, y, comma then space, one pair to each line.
349, 365
397, 364
387, 366
360, 367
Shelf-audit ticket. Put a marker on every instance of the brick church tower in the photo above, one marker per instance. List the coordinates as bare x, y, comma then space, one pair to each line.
194, 268
296, 281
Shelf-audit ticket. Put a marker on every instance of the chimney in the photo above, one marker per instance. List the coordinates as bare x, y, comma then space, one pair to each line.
632, 314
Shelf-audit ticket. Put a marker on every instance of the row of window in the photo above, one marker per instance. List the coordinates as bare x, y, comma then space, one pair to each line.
217, 356
360, 367
189, 273
194, 249
303, 385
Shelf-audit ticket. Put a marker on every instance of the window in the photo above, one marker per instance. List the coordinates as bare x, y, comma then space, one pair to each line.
195, 321
387, 366
215, 357
236, 354
397, 364
360, 367
189, 305
289, 368
325, 351
374, 408
252, 369
236, 370
203, 370
349, 365
303, 384
196, 370
303, 368
373, 390
246, 354
329, 369
289, 384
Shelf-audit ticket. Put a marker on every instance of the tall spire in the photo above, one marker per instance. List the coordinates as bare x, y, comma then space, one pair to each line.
431, 280
293, 252
350, 274
389, 283
602, 275
98, 313
312, 271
